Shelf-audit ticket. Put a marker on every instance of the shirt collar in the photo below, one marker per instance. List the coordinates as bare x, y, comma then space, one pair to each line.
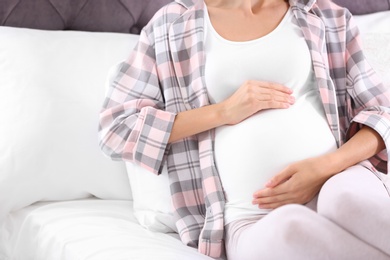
189, 3
306, 5
303, 4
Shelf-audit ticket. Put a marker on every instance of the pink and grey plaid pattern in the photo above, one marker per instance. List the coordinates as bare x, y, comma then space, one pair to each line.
165, 75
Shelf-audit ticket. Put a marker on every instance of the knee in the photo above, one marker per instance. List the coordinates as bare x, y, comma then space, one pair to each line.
280, 234
293, 223
340, 203
349, 193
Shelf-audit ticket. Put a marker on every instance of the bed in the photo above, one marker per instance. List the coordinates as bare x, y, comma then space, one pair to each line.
60, 198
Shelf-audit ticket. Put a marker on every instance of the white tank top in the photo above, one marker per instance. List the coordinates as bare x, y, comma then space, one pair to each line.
250, 153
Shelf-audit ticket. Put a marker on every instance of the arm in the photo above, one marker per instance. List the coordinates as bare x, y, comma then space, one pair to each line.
133, 125
251, 97
368, 96
362, 146
195, 121
301, 181
368, 134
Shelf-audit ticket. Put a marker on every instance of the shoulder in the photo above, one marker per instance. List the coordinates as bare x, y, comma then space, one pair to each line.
165, 16
327, 10
158, 26
173, 18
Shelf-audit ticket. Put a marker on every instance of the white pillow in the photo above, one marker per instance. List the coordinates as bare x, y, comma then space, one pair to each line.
52, 88
375, 34
152, 199
151, 194
377, 50
374, 23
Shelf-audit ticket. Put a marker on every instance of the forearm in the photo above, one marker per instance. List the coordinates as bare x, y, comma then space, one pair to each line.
301, 181
251, 97
195, 121
363, 145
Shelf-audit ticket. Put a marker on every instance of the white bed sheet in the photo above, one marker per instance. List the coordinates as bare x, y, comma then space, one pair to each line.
86, 230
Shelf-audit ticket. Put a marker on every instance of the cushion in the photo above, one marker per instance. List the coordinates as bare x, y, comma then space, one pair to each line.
152, 199
52, 88
151, 193
377, 50
375, 34
373, 23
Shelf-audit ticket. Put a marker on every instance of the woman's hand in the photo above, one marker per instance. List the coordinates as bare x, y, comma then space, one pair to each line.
253, 96
298, 183
301, 181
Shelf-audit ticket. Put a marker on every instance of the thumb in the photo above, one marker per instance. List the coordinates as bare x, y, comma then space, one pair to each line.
280, 177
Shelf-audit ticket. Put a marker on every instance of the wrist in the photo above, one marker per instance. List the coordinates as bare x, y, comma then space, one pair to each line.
334, 163
221, 114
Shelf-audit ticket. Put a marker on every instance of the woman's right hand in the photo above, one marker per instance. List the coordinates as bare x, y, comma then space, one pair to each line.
254, 96
251, 97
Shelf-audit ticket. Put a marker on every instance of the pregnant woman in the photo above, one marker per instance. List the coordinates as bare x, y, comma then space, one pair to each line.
272, 125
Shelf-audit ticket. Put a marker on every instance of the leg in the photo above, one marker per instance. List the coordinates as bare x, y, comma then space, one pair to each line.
295, 232
357, 201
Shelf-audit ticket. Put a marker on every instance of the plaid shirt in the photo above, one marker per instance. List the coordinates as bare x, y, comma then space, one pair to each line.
165, 75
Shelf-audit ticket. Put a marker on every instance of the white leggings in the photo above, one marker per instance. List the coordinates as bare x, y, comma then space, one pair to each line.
352, 221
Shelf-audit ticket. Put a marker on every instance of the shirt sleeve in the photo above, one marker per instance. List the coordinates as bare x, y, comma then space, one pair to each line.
133, 123
369, 98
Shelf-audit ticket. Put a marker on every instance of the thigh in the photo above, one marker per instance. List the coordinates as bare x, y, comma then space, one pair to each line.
357, 201
294, 232
353, 194
356, 179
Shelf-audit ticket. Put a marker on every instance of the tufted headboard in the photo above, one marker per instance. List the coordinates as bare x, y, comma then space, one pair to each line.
125, 16
364, 6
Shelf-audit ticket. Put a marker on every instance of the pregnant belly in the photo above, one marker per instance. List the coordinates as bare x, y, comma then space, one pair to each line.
250, 153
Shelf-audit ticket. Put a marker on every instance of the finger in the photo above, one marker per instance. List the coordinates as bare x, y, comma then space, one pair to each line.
279, 199
271, 99
269, 95
275, 205
281, 177
264, 103
270, 192
271, 199
271, 85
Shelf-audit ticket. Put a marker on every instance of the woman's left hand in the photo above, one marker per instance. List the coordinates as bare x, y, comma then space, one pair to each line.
301, 181
298, 183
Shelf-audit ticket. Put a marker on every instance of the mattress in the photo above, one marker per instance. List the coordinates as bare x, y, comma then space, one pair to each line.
89, 229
